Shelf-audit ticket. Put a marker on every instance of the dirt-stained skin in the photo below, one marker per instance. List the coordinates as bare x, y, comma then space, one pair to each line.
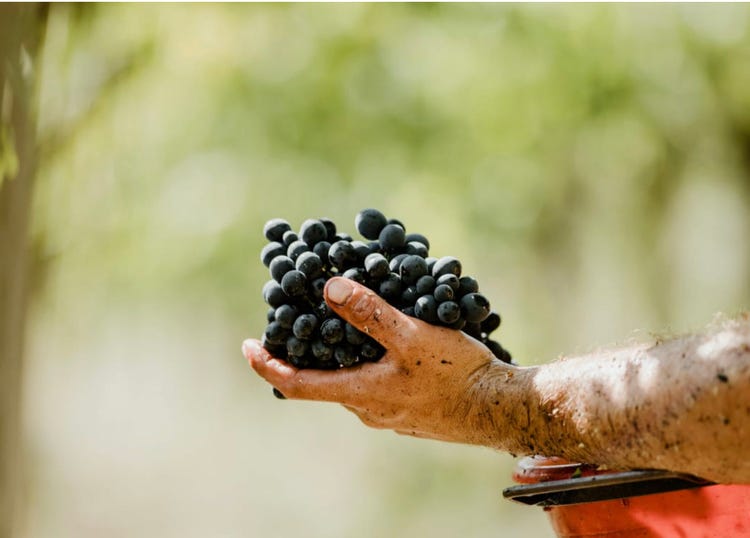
682, 405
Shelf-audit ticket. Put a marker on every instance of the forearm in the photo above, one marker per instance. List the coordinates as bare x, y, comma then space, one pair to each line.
682, 405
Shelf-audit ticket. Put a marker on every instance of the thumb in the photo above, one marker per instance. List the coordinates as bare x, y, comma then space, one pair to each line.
368, 312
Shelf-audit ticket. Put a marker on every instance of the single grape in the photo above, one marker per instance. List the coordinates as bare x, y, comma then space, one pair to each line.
321, 350
361, 249
310, 265
280, 266
409, 296
473, 329
419, 238
499, 351
409, 311
396, 222
443, 293
448, 312
392, 237
273, 294
415, 247
446, 265
457, 325
431, 261
371, 351
321, 249
491, 322
342, 236
353, 335
390, 288
270, 314
289, 238
344, 355
293, 283
356, 274
270, 251
466, 285
395, 263
377, 266
285, 315
316, 288
332, 331
342, 255
297, 248
312, 231
369, 223
426, 285
412, 269
304, 326
426, 309
296, 347
450, 279
276, 334
475, 307
274, 229
330, 228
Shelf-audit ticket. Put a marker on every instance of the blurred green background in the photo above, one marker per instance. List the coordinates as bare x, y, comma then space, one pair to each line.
590, 164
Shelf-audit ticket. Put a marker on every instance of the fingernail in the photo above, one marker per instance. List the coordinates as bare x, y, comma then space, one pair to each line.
339, 290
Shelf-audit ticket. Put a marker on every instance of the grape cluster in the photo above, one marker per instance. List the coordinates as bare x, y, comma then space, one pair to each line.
304, 331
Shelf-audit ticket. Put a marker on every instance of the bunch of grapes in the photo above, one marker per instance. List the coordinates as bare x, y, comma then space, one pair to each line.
303, 330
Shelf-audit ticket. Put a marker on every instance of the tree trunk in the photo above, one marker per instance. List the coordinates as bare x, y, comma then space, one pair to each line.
21, 30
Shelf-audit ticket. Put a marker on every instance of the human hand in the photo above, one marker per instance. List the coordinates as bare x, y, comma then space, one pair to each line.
432, 382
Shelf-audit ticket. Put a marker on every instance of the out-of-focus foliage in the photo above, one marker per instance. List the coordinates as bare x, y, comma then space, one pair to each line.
589, 163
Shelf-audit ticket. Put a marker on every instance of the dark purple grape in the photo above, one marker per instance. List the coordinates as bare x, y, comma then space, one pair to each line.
313, 231
344, 355
396, 222
374, 246
330, 229
270, 251
280, 266
377, 266
304, 326
475, 307
316, 288
332, 331
294, 283
419, 238
342, 236
273, 294
409, 311
342, 255
426, 309
371, 351
409, 296
392, 237
431, 261
426, 285
448, 312
297, 248
446, 265
473, 329
449, 279
285, 315
296, 347
289, 238
321, 249
278, 394
274, 229
369, 223
320, 350
361, 249
443, 293
395, 263
277, 350
415, 247
458, 325
466, 284
309, 264
271, 314
412, 269
356, 274
353, 335
390, 288
276, 334
491, 322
